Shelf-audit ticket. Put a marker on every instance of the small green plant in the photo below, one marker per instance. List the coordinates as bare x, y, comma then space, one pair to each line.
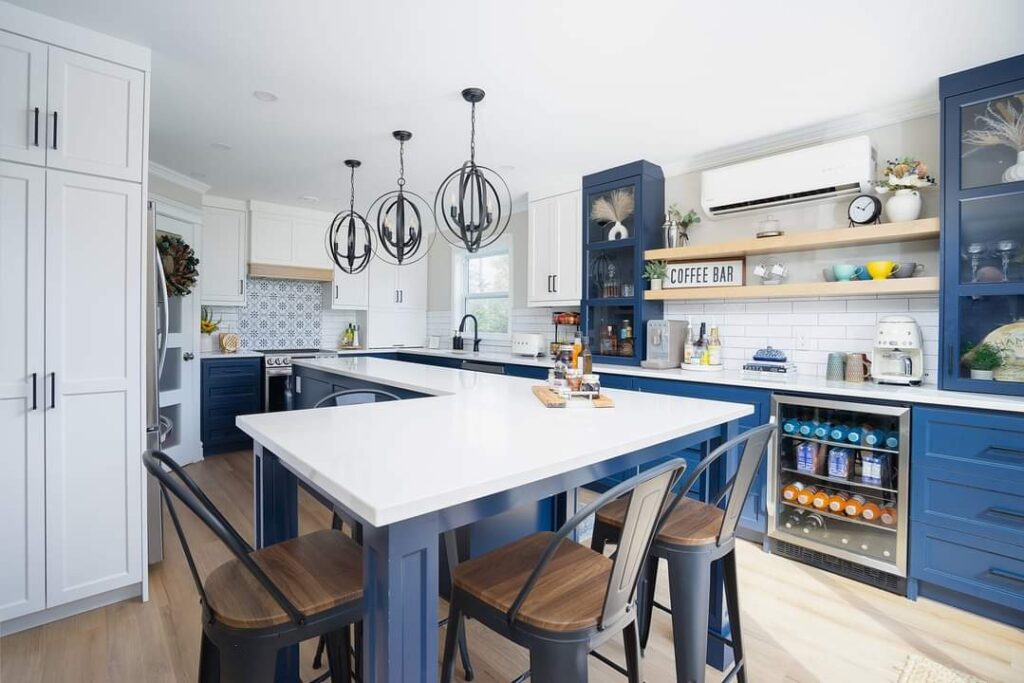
685, 220
984, 356
207, 324
655, 270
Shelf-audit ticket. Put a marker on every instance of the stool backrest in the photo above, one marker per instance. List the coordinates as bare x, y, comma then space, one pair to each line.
353, 396
754, 444
648, 493
174, 480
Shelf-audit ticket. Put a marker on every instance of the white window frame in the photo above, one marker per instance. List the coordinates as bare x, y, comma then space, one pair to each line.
460, 261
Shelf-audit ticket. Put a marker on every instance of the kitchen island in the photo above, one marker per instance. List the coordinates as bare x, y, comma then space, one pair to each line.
470, 447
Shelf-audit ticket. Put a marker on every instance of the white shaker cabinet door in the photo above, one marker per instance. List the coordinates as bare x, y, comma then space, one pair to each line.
22, 497
383, 284
412, 286
94, 123
568, 281
350, 292
542, 254
22, 99
222, 257
93, 397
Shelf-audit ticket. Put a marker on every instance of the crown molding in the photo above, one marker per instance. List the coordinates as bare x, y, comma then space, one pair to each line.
179, 179
808, 135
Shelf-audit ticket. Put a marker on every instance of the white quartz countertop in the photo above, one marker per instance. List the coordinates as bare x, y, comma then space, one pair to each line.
475, 435
924, 394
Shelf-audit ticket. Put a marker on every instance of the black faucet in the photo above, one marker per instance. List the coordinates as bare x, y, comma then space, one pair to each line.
476, 333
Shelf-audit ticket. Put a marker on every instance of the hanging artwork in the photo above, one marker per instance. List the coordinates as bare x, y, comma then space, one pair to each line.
179, 262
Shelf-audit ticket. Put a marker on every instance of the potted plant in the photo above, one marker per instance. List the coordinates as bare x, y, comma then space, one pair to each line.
904, 177
678, 223
983, 360
655, 272
207, 326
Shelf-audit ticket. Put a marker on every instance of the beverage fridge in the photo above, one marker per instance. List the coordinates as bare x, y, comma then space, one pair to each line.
838, 487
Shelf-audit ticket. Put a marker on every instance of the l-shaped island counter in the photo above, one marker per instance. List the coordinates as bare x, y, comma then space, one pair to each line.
466, 447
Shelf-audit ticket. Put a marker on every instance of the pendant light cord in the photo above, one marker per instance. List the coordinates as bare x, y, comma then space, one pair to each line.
401, 163
472, 133
352, 192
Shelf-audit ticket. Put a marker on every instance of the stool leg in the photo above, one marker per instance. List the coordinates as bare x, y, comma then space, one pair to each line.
732, 600
689, 578
318, 657
358, 640
337, 655
467, 665
645, 600
634, 662
558, 663
248, 664
209, 662
451, 638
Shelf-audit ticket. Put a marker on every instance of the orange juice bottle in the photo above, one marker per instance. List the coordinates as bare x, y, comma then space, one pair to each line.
854, 506
791, 491
888, 516
820, 499
806, 495
836, 502
871, 512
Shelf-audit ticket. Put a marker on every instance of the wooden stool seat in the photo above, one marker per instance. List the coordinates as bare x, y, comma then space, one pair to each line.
691, 523
569, 595
315, 572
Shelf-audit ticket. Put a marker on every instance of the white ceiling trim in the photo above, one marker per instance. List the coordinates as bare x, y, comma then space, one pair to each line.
808, 135
179, 179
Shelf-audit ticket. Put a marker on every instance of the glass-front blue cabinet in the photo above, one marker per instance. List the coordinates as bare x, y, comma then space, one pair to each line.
623, 209
982, 213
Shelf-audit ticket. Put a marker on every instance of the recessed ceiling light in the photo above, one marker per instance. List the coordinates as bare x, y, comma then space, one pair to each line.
264, 96
223, 146
309, 198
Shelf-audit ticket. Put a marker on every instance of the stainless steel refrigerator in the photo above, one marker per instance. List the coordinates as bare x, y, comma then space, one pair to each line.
156, 352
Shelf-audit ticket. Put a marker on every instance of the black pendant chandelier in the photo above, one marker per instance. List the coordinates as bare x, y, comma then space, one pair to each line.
401, 217
473, 204
350, 231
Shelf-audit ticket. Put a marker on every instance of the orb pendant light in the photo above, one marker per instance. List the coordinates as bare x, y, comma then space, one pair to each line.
473, 204
349, 238
404, 223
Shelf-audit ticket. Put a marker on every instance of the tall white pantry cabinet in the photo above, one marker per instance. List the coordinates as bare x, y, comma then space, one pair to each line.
73, 146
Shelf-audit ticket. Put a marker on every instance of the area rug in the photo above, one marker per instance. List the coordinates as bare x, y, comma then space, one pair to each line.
923, 670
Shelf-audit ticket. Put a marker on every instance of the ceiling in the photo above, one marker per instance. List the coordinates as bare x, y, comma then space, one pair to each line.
572, 86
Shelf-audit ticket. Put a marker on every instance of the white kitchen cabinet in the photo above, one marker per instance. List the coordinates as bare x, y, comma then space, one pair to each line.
349, 292
397, 314
22, 486
412, 286
289, 238
386, 329
93, 385
554, 271
22, 99
94, 123
223, 255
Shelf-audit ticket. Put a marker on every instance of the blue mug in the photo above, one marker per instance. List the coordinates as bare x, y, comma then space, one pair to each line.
845, 272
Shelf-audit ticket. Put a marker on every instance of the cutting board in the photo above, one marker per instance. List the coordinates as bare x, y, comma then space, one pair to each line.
552, 399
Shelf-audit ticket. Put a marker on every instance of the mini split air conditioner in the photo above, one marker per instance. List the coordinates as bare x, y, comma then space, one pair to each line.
812, 174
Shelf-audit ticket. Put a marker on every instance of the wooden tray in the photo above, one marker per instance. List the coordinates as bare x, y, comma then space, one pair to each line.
552, 399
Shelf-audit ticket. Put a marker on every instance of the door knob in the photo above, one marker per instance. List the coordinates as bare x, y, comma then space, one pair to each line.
188, 356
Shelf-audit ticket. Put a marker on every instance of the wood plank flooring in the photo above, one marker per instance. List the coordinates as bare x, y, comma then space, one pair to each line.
800, 624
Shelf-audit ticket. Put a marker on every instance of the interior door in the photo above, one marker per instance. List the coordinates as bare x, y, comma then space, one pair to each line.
22, 99
22, 492
179, 381
93, 397
95, 122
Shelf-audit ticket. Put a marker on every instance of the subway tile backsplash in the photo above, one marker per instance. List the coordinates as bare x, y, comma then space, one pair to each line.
525, 320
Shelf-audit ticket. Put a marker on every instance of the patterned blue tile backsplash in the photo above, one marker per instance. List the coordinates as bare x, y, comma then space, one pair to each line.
280, 314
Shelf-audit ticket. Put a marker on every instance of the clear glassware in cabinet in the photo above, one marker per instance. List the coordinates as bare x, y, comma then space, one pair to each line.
838, 480
992, 239
992, 141
610, 273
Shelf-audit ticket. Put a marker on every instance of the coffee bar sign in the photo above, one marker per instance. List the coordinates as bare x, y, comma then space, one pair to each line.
699, 274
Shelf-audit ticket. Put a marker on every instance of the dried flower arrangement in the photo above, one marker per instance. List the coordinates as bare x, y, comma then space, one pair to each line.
615, 208
906, 173
1001, 124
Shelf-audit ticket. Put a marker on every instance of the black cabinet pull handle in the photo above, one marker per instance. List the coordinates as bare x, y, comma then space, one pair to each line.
241, 286
35, 391
35, 140
53, 390
1006, 574
335, 291
1007, 513
55, 130
554, 282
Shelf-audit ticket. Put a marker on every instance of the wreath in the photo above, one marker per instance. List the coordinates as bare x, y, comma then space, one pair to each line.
179, 261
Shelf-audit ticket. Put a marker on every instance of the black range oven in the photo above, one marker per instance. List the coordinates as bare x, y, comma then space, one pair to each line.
277, 375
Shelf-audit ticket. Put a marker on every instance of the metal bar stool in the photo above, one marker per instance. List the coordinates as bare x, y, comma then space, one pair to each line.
450, 543
693, 536
267, 599
559, 599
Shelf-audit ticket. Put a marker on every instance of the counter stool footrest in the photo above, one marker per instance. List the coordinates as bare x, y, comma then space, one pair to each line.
523, 677
664, 608
601, 658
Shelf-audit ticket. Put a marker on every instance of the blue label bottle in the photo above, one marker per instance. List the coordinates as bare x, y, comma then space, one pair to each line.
807, 428
839, 433
855, 435
791, 425
822, 430
892, 440
874, 438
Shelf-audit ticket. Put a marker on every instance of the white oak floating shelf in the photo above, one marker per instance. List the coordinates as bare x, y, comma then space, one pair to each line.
907, 285
909, 231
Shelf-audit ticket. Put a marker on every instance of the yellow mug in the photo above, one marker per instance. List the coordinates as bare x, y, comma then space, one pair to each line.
881, 270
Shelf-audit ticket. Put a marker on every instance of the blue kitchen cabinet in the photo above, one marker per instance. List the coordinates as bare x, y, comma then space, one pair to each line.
528, 371
613, 305
437, 361
967, 510
754, 519
981, 243
229, 387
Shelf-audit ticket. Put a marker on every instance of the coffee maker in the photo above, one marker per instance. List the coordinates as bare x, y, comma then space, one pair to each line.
897, 357
665, 340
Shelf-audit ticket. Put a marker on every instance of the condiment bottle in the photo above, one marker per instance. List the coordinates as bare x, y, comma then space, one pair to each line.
688, 347
820, 499
577, 348
586, 360
871, 512
806, 495
791, 491
836, 502
854, 506
714, 347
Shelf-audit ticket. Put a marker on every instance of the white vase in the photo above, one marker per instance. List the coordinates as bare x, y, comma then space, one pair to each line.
905, 205
1015, 172
982, 374
205, 343
656, 284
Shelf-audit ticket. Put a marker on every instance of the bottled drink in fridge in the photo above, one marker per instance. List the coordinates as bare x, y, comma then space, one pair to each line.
813, 522
806, 495
836, 502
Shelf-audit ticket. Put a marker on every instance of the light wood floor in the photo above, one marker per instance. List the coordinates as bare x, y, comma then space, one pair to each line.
800, 624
